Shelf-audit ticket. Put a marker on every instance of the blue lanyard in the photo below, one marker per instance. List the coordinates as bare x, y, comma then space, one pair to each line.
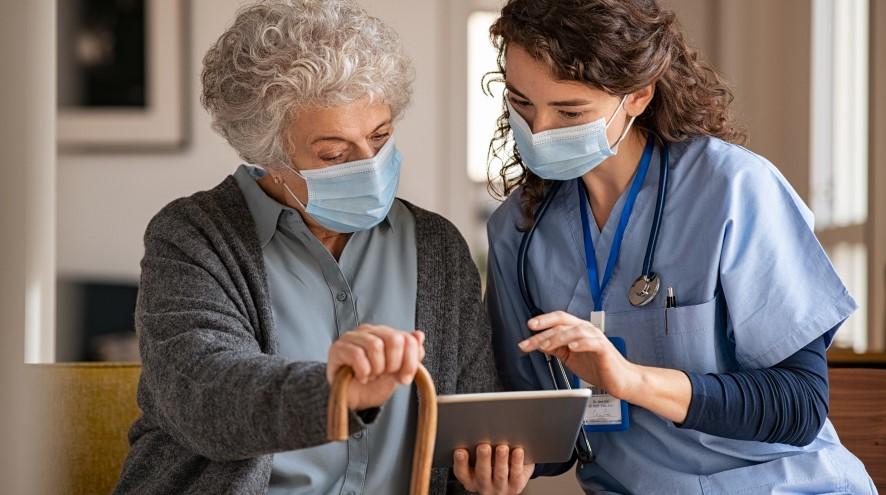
598, 287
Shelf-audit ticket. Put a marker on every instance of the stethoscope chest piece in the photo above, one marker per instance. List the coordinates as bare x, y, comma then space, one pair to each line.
644, 289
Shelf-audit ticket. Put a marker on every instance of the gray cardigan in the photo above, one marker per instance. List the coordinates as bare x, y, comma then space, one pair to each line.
216, 400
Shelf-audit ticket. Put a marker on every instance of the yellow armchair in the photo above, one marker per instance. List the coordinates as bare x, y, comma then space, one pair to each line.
88, 410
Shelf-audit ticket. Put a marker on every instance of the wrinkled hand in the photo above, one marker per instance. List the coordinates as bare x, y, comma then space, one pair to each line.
585, 350
382, 358
505, 474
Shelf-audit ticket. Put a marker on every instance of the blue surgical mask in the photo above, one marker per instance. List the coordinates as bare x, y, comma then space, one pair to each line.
566, 153
352, 196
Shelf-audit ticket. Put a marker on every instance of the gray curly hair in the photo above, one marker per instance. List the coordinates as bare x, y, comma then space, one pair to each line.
282, 55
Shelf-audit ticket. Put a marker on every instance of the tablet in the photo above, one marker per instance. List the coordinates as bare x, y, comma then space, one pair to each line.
544, 423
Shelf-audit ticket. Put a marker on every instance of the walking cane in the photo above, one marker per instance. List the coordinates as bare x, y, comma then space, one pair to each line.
422, 455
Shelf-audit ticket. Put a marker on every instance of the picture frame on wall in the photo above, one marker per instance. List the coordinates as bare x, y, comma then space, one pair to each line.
120, 74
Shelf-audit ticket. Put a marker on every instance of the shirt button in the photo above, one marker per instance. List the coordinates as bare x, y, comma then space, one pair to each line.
358, 435
341, 296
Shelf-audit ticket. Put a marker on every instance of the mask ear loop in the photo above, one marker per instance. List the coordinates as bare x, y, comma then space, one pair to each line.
304, 207
624, 133
288, 190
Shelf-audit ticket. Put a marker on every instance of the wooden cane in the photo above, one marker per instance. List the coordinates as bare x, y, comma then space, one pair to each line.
422, 455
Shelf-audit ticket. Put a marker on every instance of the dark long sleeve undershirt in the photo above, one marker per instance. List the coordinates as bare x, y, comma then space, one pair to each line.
787, 403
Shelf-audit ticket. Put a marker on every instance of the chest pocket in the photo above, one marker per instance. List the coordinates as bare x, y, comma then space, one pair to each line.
694, 338
638, 328
689, 338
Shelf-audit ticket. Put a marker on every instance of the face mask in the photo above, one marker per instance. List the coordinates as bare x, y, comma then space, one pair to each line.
566, 153
352, 196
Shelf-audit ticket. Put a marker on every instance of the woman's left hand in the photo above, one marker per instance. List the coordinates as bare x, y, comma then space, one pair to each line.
585, 350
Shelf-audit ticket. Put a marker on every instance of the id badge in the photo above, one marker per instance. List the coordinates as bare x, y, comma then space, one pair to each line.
604, 412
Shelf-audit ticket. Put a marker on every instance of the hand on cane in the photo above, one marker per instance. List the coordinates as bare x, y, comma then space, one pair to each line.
382, 358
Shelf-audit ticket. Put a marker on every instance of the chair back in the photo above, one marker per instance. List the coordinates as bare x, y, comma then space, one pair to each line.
90, 409
858, 411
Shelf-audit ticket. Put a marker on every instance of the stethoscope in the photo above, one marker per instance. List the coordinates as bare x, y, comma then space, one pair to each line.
642, 291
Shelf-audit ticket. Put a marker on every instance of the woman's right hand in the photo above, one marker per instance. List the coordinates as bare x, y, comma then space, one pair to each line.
382, 358
501, 472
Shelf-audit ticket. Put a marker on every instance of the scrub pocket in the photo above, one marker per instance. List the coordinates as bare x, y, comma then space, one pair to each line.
693, 338
807, 472
689, 338
638, 328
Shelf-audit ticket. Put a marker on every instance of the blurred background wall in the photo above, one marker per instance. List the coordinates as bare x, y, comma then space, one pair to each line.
27, 231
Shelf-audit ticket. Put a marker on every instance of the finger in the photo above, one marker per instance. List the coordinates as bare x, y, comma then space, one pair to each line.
500, 469
582, 344
355, 357
410, 360
394, 344
462, 469
587, 345
392, 338
483, 466
421, 344
515, 474
549, 320
374, 347
535, 342
565, 337
333, 362
528, 471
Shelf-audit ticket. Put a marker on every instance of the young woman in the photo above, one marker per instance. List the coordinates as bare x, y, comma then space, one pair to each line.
630, 203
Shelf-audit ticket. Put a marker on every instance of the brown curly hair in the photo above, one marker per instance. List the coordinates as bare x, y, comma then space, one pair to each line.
618, 46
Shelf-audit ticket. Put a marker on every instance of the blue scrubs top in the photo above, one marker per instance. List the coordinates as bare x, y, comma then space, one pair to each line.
753, 286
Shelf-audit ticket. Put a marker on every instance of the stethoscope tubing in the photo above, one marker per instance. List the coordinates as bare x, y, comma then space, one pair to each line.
524, 248
648, 260
659, 211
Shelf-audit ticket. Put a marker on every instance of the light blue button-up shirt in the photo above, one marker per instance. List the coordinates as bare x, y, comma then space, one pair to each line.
315, 299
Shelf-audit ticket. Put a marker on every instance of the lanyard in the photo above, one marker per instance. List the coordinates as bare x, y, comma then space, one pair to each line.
598, 287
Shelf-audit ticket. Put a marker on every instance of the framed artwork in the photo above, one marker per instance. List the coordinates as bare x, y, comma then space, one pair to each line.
120, 74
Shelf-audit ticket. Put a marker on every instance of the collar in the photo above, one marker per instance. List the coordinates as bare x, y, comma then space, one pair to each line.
266, 212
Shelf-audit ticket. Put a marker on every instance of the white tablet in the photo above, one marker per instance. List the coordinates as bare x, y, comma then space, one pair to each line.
544, 423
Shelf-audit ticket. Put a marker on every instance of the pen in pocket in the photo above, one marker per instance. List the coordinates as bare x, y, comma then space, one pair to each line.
670, 302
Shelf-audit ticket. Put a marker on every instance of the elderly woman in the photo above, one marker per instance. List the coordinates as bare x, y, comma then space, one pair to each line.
255, 292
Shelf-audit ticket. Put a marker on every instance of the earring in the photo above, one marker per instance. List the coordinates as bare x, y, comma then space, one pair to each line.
277, 180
